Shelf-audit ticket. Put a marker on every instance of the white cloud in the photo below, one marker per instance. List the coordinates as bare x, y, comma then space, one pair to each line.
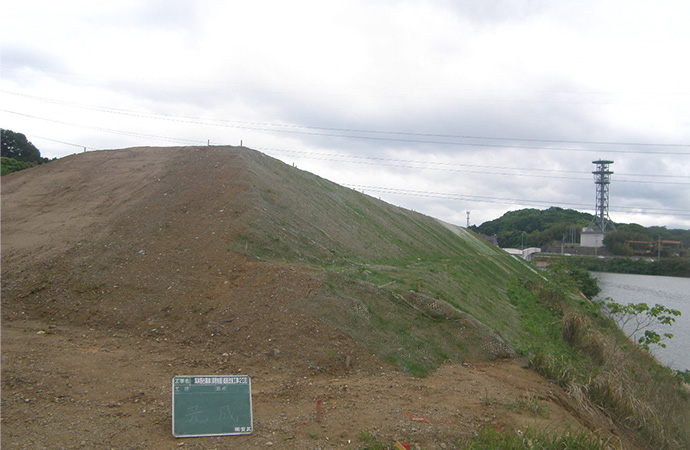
414, 82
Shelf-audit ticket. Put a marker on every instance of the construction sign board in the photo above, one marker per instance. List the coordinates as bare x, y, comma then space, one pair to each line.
211, 405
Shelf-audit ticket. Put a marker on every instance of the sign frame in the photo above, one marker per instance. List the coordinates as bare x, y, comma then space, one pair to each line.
212, 405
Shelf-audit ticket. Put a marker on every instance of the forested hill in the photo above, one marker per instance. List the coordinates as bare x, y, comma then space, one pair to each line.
538, 228
535, 227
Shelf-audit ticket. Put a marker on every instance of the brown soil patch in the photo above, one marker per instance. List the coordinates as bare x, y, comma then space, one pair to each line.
69, 387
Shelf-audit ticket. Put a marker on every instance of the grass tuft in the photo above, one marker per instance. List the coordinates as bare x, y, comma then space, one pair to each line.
372, 442
530, 404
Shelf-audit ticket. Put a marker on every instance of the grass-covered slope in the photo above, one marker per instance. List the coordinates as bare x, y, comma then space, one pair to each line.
300, 217
413, 289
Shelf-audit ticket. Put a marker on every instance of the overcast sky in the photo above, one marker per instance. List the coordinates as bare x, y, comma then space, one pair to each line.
442, 107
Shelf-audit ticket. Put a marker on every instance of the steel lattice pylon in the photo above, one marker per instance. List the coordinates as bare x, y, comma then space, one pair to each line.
602, 179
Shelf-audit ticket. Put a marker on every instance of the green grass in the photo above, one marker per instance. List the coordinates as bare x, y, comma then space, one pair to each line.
568, 340
377, 306
371, 442
541, 315
491, 439
10, 165
531, 405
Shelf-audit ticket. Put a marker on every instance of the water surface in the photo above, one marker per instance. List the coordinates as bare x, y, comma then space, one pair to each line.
672, 292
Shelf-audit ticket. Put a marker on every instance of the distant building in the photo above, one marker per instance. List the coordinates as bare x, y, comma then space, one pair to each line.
591, 237
655, 248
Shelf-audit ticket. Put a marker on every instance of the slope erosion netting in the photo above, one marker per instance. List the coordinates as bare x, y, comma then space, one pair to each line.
167, 230
374, 255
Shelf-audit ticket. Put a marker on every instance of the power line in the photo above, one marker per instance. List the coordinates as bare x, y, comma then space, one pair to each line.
423, 165
346, 130
426, 165
108, 130
510, 201
369, 160
454, 167
35, 136
376, 135
407, 192
268, 130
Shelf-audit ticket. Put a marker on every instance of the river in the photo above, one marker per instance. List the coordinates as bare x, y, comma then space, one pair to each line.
672, 292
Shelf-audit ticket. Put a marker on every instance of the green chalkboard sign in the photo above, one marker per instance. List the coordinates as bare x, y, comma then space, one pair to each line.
211, 405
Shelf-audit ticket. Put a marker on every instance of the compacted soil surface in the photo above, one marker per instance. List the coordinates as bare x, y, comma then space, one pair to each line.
69, 387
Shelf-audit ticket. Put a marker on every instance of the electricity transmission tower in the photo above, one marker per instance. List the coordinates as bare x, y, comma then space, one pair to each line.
602, 179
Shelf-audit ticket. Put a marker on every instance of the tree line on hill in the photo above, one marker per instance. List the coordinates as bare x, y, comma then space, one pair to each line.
556, 226
670, 267
17, 152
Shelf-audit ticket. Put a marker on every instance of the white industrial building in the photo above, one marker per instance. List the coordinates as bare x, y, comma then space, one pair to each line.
591, 238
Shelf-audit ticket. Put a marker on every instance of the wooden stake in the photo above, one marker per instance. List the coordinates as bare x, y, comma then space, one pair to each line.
319, 410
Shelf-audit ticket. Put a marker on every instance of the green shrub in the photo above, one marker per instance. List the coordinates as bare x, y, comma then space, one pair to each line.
9, 165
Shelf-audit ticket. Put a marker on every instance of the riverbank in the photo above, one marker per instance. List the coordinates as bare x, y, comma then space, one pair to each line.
669, 267
671, 292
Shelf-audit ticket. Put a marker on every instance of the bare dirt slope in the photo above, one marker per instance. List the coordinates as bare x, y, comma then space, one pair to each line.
120, 270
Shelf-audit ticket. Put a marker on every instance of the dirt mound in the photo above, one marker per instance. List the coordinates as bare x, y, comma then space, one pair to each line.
124, 268
138, 241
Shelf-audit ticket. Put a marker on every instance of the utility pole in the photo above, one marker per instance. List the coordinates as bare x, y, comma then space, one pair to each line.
468, 219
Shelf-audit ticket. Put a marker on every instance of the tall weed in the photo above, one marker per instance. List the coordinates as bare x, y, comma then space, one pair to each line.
573, 344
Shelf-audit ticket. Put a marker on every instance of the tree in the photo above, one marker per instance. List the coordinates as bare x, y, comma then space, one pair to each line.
17, 152
636, 320
17, 146
585, 282
615, 241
